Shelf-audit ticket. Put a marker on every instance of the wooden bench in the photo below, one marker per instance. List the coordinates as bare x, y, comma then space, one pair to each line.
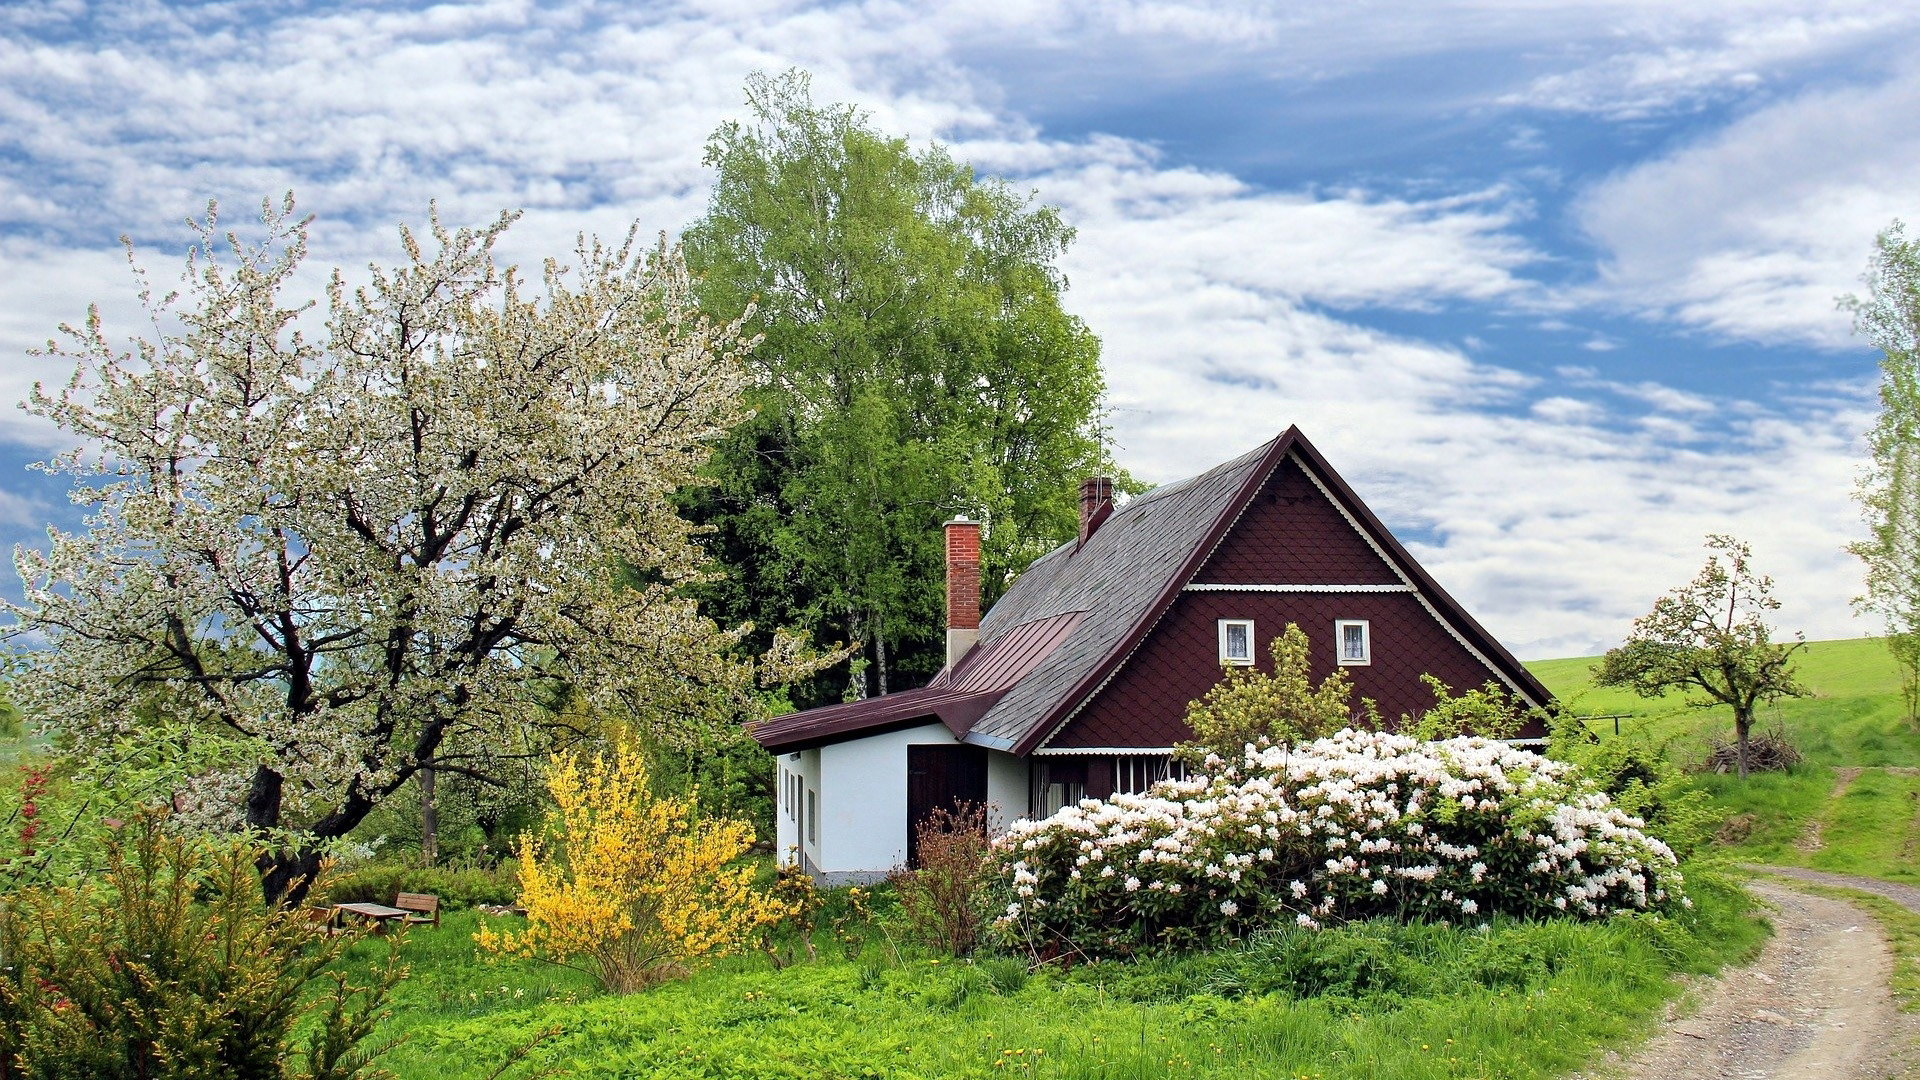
420, 907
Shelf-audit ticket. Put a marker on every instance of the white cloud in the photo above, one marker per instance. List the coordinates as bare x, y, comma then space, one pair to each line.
1227, 311
1556, 524
1667, 56
1752, 231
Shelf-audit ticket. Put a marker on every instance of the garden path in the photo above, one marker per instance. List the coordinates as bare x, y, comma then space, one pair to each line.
1814, 1006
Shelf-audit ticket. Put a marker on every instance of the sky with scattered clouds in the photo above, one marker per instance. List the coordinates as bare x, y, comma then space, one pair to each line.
1552, 284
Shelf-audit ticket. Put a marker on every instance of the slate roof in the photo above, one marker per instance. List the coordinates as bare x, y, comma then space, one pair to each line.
1069, 622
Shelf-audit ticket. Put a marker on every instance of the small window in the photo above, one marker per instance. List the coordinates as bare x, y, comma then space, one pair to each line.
1356, 646
1236, 642
813, 816
1134, 774
1057, 783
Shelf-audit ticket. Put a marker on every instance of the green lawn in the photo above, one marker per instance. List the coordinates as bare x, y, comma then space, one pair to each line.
1518, 1000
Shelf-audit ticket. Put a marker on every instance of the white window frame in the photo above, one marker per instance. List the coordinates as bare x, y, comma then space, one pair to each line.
813, 816
1340, 643
1252, 649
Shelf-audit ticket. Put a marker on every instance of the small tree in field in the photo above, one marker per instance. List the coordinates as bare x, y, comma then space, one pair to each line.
1710, 636
631, 887
1250, 707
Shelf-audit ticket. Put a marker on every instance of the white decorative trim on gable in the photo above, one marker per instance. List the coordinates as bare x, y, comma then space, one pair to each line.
1118, 751
1417, 595
1303, 588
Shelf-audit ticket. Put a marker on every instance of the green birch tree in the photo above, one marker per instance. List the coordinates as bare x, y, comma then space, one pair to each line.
916, 364
1889, 491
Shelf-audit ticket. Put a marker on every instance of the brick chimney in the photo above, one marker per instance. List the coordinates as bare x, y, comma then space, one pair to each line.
963, 588
1096, 504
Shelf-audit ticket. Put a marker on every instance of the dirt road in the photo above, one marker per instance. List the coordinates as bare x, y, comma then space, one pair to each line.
1814, 1007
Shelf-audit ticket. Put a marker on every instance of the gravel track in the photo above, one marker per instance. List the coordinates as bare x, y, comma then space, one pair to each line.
1814, 1006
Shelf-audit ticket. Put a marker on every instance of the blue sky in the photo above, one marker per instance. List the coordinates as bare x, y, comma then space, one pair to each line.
1552, 284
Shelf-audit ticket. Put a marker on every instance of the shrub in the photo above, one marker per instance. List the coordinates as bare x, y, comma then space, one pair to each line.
799, 901
1249, 706
631, 887
1642, 779
134, 977
940, 897
457, 887
1357, 825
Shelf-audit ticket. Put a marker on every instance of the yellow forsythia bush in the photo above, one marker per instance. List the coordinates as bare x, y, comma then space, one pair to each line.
631, 887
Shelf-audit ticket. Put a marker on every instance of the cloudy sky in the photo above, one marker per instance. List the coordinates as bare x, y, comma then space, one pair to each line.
1553, 284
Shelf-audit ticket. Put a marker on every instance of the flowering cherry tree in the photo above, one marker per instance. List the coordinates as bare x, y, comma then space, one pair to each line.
1356, 825
350, 549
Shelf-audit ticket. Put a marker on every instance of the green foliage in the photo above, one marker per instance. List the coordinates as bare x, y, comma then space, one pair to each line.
941, 897
171, 967
1889, 492
1642, 778
1249, 707
58, 822
1905, 647
458, 887
1521, 1001
1487, 711
916, 364
1710, 636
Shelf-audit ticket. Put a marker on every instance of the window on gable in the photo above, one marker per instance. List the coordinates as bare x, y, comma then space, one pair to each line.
1355, 642
1236, 642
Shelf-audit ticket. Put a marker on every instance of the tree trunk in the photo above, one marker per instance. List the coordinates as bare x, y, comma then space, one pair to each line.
286, 876
1742, 725
429, 819
880, 660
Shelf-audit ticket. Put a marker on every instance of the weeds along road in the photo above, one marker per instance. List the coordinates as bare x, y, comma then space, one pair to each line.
1814, 1006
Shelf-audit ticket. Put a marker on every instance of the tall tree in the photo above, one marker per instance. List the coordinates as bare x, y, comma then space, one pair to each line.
1710, 636
361, 554
916, 364
1889, 492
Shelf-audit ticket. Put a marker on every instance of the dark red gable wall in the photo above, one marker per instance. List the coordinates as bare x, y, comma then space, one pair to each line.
1146, 703
1291, 534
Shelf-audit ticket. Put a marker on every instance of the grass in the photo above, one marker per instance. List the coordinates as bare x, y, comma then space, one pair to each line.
1853, 718
1516, 1000
1854, 721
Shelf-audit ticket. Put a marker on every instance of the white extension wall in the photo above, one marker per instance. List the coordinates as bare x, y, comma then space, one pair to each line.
862, 789
790, 810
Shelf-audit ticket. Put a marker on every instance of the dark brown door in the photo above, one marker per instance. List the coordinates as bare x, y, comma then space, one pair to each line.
941, 778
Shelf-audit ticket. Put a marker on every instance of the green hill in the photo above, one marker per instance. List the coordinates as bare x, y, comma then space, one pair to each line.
1854, 717
1853, 807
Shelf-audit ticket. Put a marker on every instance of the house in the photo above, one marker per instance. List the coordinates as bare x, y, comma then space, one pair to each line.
1076, 684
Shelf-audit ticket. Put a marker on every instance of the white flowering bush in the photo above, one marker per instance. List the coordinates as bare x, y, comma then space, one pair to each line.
1357, 825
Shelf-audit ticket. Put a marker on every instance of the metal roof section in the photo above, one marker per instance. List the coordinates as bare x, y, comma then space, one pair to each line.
957, 698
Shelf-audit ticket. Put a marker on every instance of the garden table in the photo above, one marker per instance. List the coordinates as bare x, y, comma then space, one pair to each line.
379, 914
